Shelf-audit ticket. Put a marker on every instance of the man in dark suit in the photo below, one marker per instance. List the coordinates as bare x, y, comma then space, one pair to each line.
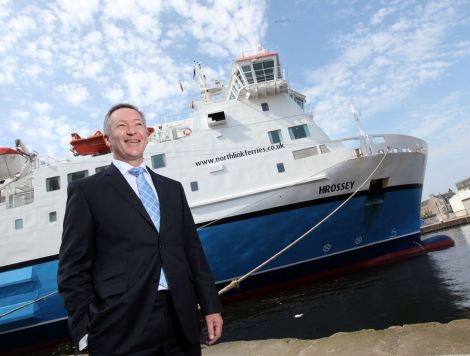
132, 274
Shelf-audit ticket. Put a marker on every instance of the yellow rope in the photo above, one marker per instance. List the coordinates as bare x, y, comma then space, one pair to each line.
236, 282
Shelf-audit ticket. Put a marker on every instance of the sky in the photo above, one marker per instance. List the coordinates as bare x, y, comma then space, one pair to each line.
404, 64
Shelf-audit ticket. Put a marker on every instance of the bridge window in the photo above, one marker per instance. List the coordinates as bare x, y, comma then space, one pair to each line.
275, 136
158, 161
264, 70
76, 175
299, 131
248, 74
52, 183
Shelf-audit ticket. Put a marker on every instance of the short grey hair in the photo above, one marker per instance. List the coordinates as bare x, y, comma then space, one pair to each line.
107, 118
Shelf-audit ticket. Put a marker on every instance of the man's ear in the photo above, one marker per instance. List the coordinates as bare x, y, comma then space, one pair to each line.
106, 140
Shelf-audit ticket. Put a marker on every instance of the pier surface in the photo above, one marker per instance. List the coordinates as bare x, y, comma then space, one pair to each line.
446, 224
415, 339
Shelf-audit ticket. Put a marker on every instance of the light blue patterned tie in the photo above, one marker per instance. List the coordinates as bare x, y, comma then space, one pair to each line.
150, 202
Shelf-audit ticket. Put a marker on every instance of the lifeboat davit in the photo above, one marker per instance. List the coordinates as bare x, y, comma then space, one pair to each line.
93, 145
12, 163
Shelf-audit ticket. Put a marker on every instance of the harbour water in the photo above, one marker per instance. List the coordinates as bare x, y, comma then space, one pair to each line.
432, 287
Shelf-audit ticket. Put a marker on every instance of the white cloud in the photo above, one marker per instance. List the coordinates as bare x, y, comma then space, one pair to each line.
379, 16
5, 8
15, 126
226, 28
75, 13
8, 68
114, 94
74, 93
41, 107
19, 114
379, 66
118, 50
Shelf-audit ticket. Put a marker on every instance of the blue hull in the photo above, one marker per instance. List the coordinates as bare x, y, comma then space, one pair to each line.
363, 229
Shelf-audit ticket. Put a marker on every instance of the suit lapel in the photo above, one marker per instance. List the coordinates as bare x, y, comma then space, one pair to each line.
117, 180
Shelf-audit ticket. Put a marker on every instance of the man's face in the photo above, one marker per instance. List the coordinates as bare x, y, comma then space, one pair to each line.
127, 136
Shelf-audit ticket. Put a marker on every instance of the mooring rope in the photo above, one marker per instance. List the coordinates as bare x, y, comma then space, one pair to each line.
236, 282
27, 304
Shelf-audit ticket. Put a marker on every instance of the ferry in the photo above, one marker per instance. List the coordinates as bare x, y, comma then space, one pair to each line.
275, 199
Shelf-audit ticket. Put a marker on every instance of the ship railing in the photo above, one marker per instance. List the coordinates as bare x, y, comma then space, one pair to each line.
391, 143
20, 199
379, 143
48, 161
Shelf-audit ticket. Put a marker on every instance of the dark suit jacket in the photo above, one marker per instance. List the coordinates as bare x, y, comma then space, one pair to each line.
111, 256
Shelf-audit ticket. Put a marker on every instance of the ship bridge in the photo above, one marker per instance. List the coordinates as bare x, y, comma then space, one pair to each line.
260, 75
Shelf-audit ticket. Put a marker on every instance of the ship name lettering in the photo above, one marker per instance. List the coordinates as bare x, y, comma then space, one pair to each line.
331, 188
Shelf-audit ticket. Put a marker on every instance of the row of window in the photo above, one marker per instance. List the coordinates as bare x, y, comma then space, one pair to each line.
19, 222
295, 133
53, 183
159, 160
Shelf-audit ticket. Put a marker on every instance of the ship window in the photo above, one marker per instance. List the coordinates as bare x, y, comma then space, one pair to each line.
217, 116
76, 175
248, 73
305, 152
52, 183
2, 196
299, 131
239, 76
158, 161
265, 106
194, 186
324, 149
53, 216
100, 169
18, 224
264, 70
275, 136
280, 167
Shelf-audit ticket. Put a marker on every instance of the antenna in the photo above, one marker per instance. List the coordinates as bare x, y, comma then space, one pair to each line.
364, 136
357, 118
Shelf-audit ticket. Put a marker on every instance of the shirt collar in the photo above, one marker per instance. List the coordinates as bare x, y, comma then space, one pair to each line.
124, 166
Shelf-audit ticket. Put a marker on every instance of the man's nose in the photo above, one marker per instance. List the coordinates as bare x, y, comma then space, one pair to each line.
131, 130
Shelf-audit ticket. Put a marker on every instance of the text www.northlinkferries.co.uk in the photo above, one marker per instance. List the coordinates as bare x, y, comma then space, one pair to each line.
239, 154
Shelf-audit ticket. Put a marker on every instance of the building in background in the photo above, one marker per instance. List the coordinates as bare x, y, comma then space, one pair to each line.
437, 208
461, 201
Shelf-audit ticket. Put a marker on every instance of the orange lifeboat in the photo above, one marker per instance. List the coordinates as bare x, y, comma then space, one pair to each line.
93, 145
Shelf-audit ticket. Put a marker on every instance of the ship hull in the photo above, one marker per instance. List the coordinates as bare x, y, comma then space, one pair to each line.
364, 232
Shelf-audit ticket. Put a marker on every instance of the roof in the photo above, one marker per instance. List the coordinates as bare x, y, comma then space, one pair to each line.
257, 55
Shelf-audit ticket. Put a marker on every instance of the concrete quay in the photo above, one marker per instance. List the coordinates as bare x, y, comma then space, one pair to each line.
415, 339
446, 224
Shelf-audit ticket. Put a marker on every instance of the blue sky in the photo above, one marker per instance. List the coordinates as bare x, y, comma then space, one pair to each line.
404, 64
